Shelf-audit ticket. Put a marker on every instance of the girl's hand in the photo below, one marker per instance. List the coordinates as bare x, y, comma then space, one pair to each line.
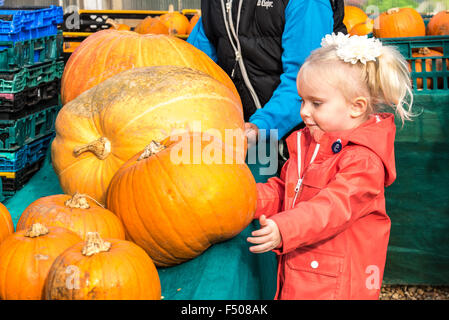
267, 237
251, 133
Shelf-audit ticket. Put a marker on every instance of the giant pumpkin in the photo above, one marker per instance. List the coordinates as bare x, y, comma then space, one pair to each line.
26, 257
77, 213
103, 269
6, 225
398, 23
178, 197
106, 125
108, 52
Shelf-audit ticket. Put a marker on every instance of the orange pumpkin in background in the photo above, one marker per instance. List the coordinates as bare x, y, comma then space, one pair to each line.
353, 16
399, 22
26, 257
176, 22
108, 52
175, 200
105, 126
193, 21
151, 25
426, 52
363, 28
118, 26
6, 224
108, 269
77, 213
439, 24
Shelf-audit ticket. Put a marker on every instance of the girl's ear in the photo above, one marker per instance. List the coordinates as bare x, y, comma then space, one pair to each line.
359, 106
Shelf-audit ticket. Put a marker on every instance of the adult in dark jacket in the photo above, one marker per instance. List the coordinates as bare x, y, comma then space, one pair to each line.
261, 45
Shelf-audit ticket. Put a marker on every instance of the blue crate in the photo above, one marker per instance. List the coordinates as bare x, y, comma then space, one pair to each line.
25, 156
20, 24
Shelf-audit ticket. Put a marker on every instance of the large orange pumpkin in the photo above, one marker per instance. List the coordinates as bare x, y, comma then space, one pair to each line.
427, 53
151, 25
175, 201
26, 257
105, 126
353, 16
439, 24
109, 269
399, 22
108, 52
6, 224
78, 214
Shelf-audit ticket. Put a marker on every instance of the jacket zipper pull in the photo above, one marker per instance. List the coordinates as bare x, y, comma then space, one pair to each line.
298, 186
228, 5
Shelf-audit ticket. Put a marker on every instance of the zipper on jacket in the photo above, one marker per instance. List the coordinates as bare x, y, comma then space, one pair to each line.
299, 183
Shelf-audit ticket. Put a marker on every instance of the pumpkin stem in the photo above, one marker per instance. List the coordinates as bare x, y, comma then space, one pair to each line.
171, 8
392, 10
78, 201
424, 50
151, 149
94, 244
112, 22
36, 230
100, 147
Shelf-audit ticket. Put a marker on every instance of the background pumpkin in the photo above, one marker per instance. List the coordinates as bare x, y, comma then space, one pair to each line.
439, 24
78, 214
399, 22
108, 270
362, 28
176, 211
108, 52
6, 224
151, 25
426, 52
26, 257
176, 22
105, 126
193, 21
353, 16
118, 26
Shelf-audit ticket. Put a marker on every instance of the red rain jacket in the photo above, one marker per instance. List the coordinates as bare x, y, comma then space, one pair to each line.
335, 233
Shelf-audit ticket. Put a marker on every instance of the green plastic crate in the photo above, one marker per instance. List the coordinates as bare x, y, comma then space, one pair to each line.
31, 76
16, 133
15, 55
439, 75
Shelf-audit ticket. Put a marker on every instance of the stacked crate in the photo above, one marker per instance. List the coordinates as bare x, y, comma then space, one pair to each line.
31, 68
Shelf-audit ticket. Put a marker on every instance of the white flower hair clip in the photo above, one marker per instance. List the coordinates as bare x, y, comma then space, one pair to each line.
354, 48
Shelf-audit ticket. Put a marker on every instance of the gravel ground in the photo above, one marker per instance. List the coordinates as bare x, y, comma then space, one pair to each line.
409, 292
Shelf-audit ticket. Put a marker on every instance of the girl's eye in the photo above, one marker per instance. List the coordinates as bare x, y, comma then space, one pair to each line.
316, 103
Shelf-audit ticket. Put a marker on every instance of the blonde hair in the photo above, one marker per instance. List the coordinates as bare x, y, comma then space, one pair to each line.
385, 82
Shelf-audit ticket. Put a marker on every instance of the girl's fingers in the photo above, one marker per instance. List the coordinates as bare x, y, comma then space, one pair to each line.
263, 220
261, 232
259, 240
261, 248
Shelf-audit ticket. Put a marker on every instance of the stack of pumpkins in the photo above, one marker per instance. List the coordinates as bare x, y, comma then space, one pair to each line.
172, 23
402, 23
143, 116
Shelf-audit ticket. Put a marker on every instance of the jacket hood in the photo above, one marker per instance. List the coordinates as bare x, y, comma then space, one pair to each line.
377, 134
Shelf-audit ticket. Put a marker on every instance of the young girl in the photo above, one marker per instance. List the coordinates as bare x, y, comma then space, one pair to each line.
325, 217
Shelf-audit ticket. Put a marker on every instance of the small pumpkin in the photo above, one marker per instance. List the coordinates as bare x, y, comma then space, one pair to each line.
363, 28
353, 16
427, 53
6, 224
151, 25
77, 213
439, 24
118, 26
176, 199
26, 257
176, 22
193, 21
399, 22
103, 269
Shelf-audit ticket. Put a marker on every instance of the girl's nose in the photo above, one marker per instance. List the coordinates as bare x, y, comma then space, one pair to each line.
304, 111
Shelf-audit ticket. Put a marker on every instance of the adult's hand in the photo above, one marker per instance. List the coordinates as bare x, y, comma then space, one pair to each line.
251, 133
